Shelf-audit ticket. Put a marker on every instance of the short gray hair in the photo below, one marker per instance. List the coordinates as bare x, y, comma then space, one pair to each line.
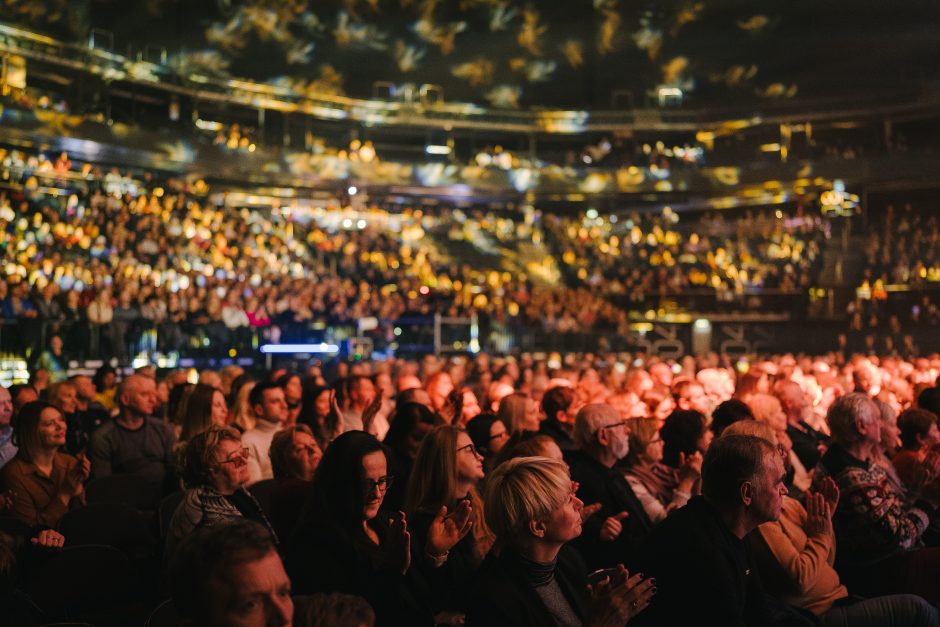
590, 419
845, 411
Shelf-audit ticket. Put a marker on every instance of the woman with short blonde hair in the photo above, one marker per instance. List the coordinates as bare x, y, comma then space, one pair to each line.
533, 579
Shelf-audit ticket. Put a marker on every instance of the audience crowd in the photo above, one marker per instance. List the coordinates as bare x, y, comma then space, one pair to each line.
494, 491
119, 264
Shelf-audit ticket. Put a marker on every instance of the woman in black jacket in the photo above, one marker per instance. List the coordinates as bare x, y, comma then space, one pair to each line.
531, 578
344, 544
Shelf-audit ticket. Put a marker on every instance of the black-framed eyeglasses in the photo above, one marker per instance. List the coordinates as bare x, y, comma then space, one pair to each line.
381, 484
293, 406
622, 423
469, 447
504, 434
241, 457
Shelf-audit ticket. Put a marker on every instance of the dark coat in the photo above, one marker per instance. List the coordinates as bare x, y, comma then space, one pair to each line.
607, 486
703, 572
503, 596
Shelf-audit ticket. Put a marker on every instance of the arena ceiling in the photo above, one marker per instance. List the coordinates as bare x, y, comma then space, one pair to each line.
513, 53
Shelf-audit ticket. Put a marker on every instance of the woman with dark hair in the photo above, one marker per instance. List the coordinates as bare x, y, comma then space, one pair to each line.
344, 544
44, 480
411, 422
684, 432
489, 435
215, 471
320, 412
728, 413
444, 481
293, 394
201, 407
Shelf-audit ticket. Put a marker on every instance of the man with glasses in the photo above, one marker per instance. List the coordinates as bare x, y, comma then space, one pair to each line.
609, 536
270, 407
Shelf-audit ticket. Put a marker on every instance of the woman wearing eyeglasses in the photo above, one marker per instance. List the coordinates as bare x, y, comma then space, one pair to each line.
215, 471
442, 489
343, 542
659, 488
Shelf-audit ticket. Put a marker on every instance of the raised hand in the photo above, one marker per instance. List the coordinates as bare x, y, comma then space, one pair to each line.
370, 412
830, 492
612, 527
446, 531
589, 510
398, 545
690, 467
818, 515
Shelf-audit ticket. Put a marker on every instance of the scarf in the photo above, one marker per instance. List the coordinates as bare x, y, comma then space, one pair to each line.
659, 479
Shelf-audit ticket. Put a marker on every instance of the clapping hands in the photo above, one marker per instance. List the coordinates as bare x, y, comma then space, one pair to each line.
617, 597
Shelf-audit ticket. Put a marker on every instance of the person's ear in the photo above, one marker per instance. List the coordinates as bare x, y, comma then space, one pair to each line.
747, 493
537, 528
603, 438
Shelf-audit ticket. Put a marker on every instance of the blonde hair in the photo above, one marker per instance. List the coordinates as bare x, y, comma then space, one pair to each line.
243, 414
521, 490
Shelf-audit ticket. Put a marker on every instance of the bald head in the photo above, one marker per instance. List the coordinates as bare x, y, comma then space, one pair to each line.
137, 396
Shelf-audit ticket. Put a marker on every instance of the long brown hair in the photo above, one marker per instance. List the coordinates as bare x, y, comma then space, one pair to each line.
26, 428
195, 410
433, 483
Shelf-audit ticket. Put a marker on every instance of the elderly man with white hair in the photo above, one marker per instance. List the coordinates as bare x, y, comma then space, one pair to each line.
601, 436
879, 534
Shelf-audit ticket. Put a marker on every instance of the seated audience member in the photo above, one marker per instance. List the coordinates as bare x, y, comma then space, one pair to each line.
519, 412
684, 433
201, 407
7, 448
270, 410
344, 544
362, 393
795, 556
411, 422
134, 442
698, 554
22, 393
690, 396
728, 413
878, 533
560, 410
612, 534
919, 435
64, 395
91, 413
230, 575
928, 399
887, 448
529, 444
768, 410
243, 414
293, 394
807, 442
295, 456
489, 435
659, 488
470, 407
215, 473
535, 579
319, 411
439, 387
444, 481
42, 479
